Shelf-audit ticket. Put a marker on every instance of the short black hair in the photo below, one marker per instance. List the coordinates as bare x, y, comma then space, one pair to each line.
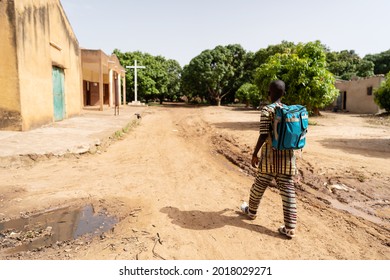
278, 88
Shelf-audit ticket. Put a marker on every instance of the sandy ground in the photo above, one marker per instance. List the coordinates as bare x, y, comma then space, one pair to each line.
171, 188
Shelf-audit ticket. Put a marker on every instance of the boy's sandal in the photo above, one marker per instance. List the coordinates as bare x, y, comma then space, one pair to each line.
245, 209
251, 216
287, 232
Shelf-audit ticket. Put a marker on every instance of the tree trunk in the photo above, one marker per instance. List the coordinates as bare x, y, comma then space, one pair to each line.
218, 99
316, 112
161, 97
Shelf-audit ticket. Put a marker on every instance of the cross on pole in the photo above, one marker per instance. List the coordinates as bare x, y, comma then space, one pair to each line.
135, 67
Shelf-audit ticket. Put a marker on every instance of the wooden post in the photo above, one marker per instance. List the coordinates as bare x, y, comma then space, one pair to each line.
124, 89
116, 93
110, 89
101, 94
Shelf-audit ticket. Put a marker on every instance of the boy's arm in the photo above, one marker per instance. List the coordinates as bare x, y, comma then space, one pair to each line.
265, 126
259, 144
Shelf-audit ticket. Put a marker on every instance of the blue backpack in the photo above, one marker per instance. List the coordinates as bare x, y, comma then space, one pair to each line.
289, 127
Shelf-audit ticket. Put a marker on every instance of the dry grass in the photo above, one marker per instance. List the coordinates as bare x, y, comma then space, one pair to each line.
381, 119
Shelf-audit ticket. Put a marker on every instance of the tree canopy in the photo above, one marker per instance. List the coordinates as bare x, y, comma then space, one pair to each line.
381, 62
249, 94
262, 55
303, 69
215, 73
228, 72
347, 64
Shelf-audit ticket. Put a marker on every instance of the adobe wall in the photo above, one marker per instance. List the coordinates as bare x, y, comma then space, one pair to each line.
10, 108
44, 39
358, 101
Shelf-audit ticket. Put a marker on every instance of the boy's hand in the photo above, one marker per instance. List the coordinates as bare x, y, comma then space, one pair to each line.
255, 161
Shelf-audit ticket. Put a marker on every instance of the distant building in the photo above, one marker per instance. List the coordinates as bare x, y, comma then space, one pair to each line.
40, 66
103, 78
357, 95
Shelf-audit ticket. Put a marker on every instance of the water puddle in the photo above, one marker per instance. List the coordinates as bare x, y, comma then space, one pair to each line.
48, 228
352, 209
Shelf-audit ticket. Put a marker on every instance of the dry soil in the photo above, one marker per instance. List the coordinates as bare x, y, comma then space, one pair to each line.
170, 189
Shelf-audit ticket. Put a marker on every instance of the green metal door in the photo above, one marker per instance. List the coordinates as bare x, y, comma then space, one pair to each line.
58, 93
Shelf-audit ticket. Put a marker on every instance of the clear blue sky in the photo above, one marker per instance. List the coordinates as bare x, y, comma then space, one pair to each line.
182, 29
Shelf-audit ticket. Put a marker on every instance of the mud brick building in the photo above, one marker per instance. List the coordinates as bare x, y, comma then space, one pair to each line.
104, 80
40, 65
357, 95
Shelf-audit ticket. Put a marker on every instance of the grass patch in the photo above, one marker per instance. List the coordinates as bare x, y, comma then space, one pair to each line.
119, 134
155, 104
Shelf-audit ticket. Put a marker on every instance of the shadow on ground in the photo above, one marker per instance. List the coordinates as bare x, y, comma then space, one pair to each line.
367, 147
202, 220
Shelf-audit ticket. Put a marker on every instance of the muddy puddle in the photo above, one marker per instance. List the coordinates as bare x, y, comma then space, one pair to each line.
350, 208
51, 227
356, 212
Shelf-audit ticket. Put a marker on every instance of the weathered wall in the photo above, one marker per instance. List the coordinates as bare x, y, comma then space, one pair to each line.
10, 110
94, 94
357, 99
91, 61
45, 38
70, 58
94, 63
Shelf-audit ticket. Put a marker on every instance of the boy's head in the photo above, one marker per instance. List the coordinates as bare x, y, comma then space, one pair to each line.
277, 89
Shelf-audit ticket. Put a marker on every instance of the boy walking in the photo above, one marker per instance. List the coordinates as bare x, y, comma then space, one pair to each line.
274, 164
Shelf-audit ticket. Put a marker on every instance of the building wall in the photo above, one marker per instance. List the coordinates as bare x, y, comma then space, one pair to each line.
94, 94
96, 70
43, 39
357, 98
10, 108
69, 58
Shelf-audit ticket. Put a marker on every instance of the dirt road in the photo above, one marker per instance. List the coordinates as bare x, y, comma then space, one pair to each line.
170, 189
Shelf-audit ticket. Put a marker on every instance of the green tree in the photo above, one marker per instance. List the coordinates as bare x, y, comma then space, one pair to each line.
145, 84
381, 62
262, 55
308, 82
191, 86
382, 94
249, 68
347, 64
215, 74
174, 72
159, 79
249, 94
159, 75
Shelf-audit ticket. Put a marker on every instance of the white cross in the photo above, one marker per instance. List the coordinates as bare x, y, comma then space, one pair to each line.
135, 67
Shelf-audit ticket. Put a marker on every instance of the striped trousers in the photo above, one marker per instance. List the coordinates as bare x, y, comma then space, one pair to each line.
287, 192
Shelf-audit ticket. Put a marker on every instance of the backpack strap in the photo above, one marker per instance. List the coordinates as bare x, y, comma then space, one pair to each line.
276, 107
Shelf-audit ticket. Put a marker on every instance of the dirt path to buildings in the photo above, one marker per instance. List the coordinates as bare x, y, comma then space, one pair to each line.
170, 189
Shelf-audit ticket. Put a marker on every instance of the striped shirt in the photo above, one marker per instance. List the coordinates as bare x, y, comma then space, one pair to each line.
272, 160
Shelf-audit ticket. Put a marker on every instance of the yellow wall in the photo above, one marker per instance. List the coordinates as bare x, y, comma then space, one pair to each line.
10, 111
69, 58
96, 67
44, 38
91, 61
